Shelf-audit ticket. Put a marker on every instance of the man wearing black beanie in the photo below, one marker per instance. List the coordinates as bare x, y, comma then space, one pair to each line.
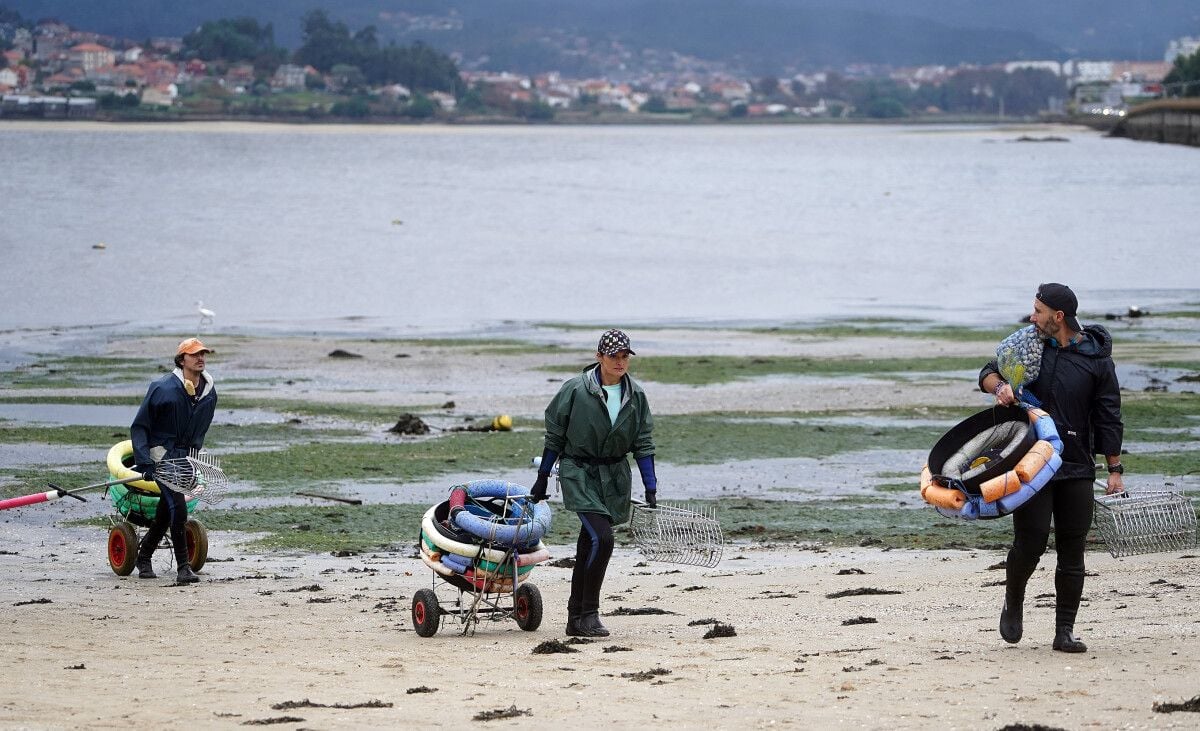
1077, 386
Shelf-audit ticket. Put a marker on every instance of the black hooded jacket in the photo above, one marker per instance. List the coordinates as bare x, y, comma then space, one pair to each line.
1077, 385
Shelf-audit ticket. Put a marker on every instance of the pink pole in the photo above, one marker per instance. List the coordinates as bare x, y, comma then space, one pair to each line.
41, 497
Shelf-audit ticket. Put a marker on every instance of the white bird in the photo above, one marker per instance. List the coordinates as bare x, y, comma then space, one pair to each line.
206, 316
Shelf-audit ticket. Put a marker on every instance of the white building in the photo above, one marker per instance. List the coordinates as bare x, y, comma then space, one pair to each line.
1185, 46
91, 56
160, 96
288, 76
396, 91
1089, 71
443, 100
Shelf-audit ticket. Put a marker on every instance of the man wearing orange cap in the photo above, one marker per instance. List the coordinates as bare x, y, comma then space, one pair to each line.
172, 421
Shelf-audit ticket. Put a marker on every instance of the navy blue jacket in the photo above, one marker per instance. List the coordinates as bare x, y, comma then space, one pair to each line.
167, 418
1077, 385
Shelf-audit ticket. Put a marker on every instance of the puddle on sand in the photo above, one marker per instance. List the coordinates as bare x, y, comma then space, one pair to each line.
1146, 378
843, 475
25, 455
105, 415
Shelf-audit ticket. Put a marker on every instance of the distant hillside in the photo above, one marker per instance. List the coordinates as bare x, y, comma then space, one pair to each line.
757, 36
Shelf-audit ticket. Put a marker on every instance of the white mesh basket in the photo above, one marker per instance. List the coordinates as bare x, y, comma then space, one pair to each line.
1152, 521
677, 535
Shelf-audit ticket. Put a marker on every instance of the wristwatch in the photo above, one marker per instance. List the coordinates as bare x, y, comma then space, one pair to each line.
1116, 469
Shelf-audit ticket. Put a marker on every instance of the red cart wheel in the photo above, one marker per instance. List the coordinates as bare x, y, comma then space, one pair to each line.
196, 538
426, 614
122, 549
527, 607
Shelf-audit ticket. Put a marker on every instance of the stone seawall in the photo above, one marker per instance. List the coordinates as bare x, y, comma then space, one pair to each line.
1176, 121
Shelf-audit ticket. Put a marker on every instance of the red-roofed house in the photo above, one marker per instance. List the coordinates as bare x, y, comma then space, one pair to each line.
158, 73
119, 76
92, 56
63, 78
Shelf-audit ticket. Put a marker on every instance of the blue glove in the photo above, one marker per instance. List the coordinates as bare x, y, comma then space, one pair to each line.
539, 487
651, 498
147, 471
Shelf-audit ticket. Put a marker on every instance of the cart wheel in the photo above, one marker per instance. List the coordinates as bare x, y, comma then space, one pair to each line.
197, 543
122, 549
426, 614
527, 607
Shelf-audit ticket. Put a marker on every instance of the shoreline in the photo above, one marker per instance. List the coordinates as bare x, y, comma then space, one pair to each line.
603, 120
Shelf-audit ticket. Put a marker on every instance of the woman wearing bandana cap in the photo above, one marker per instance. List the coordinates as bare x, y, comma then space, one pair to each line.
595, 420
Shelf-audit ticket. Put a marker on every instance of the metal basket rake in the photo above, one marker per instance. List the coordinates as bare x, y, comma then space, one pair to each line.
1151, 521
197, 476
677, 535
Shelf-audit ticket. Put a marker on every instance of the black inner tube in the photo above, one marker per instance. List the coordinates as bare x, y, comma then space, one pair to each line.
973, 426
441, 516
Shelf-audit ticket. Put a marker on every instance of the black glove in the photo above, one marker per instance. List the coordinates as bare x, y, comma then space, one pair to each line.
147, 472
539, 487
651, 498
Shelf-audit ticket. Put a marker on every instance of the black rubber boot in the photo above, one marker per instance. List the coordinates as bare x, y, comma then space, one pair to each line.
145, 568
1013, 614
591, 621
577, 626
1066, 641
1011, 621
185, 575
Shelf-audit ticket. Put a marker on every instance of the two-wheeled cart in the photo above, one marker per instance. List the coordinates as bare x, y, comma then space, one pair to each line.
467, 603
482, 545
135, 501
135, 509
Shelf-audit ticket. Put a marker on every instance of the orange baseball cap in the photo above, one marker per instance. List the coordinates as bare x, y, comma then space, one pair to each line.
191, 346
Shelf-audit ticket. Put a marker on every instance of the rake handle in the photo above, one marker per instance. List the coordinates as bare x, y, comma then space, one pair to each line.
58, 492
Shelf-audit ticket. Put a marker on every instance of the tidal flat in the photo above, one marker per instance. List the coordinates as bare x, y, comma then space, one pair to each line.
807, 436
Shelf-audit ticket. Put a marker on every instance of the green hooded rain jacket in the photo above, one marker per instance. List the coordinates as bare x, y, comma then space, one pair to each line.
577, 425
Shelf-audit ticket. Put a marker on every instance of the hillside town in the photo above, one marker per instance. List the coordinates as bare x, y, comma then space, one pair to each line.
51, 70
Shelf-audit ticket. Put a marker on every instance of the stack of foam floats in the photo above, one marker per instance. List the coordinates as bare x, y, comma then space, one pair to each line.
486, 537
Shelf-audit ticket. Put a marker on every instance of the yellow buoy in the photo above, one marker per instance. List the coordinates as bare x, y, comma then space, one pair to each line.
502, 422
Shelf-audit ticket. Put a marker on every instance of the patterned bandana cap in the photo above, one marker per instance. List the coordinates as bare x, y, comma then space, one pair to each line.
613, 342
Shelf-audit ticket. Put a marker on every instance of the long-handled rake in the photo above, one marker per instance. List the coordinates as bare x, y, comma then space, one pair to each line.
58, 492
677, 535
197, 476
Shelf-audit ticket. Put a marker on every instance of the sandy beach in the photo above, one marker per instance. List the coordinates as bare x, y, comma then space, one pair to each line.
261, 634
321, 641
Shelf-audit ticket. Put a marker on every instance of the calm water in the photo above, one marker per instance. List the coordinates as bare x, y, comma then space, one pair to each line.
439, 229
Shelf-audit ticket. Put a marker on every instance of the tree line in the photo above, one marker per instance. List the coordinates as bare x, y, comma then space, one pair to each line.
1184, 78
329, 47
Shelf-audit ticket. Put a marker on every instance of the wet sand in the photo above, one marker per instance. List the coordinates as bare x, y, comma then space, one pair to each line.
260, 634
